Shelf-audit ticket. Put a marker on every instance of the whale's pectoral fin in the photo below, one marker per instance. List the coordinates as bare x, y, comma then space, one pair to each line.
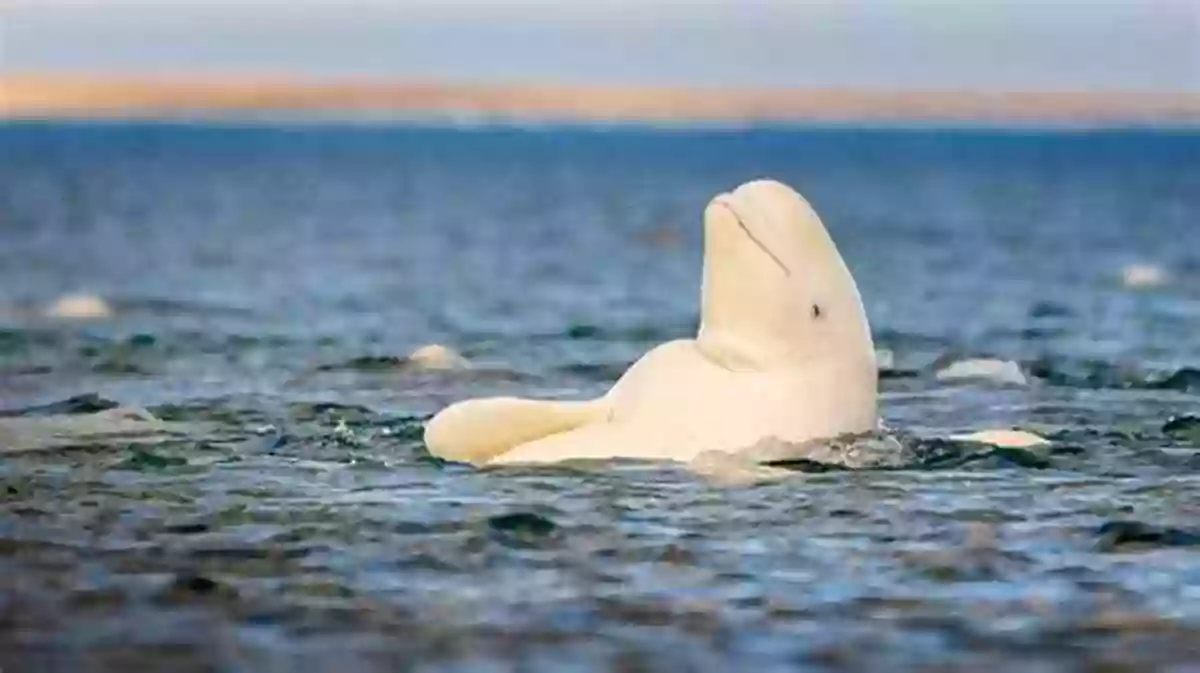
475, 431
595, 441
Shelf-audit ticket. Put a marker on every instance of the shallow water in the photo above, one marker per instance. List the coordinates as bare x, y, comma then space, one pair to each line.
267, 281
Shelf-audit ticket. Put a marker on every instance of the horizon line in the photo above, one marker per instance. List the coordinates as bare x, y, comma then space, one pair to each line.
105, 94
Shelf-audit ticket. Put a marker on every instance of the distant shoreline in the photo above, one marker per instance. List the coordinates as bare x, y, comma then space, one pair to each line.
106, 96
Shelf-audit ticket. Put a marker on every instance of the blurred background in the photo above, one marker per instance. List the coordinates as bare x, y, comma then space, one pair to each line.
244, 224
857, 46
1134, 45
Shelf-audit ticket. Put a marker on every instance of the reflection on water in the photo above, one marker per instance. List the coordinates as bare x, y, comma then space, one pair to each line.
267, 283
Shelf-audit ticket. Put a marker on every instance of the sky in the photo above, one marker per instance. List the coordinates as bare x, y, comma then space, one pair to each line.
891, 44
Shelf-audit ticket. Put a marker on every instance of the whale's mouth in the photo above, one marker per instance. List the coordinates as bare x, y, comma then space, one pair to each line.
750, 234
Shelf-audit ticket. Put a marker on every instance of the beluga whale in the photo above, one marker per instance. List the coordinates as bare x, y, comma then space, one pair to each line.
783, 353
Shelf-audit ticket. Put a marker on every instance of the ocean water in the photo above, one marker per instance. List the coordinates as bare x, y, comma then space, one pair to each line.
267, 281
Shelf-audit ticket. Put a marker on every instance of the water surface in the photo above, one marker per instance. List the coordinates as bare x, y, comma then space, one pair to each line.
268, 280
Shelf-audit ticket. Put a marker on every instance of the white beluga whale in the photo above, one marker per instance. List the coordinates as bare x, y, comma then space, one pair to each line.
784, 353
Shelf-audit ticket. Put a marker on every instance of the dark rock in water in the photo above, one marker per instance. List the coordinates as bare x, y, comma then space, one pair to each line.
12, 341
1097, 374
1041, 333
951, 454
331, 412
522, 529
1048, 309
368, 363
32, 370
1186, 380
192, 586
936, 452
526, 522
407, 428
187, 528
88, 403
1186, 427
582, 332
891, 374
214, 411
142, 340
1091, 374
424, 456
1068, 450
120, 366
652, 333
1181, 424
1046, 371
142, 460
196, 584
950, 356
327, 407
1129, 535
426, 358
805, 465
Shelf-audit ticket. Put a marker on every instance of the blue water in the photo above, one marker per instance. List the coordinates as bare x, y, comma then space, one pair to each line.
270, 279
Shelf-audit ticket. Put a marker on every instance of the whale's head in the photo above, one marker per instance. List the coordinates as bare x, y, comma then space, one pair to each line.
776, 291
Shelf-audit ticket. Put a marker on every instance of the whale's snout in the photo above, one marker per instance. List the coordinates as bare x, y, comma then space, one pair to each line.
721, 205
724, 214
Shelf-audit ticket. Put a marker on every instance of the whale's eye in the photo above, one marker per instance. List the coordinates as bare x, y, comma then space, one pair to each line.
816, 310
